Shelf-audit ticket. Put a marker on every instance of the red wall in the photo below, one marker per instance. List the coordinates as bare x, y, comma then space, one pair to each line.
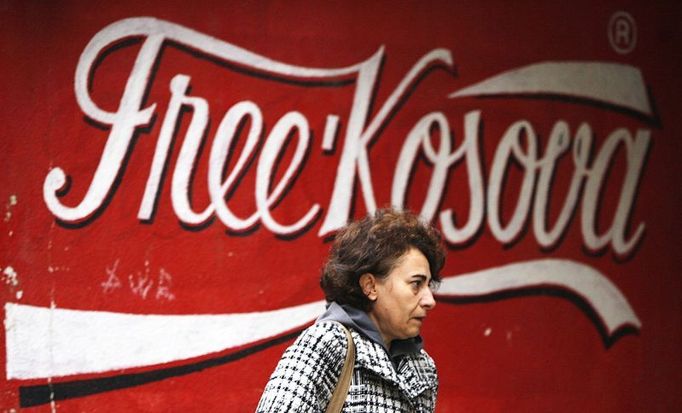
519, 116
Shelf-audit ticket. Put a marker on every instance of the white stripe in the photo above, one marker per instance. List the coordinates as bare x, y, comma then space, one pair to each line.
612, 83
44, 342
53, 342
600, 293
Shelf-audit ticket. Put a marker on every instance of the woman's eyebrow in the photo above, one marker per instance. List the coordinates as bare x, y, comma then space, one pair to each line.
422, 277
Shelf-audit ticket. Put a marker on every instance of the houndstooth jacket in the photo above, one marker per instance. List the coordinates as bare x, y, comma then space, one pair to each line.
308, 371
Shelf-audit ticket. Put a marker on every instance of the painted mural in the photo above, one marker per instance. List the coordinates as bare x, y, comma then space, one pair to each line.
173, 175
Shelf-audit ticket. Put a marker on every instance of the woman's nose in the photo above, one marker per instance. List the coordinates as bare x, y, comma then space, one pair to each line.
427, 301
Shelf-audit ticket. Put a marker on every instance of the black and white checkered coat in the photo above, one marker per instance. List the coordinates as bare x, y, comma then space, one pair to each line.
308, 371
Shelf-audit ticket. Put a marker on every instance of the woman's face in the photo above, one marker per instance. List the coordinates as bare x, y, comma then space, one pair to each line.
402, 299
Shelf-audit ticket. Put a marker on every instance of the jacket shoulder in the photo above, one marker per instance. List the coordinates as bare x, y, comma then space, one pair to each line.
307, 372
326, 339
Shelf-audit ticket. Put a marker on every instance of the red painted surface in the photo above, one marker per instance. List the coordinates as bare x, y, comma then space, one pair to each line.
529, 353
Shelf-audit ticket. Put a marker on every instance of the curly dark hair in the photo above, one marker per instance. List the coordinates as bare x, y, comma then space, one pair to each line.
373, 245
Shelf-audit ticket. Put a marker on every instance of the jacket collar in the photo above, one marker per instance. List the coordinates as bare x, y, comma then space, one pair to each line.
413, 373
359, 320
406, 365
352, 317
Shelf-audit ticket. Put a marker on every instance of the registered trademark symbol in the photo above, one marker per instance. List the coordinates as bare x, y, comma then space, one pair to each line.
622, 32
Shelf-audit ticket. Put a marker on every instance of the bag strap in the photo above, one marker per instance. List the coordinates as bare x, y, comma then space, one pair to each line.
341, 391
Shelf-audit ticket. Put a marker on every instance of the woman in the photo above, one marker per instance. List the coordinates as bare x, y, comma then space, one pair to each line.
378, 283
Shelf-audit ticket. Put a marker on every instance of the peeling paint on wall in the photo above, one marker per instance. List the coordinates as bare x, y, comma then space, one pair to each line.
8, 207
11, 278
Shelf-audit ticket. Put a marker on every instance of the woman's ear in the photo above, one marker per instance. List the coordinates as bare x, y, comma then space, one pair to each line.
369, 286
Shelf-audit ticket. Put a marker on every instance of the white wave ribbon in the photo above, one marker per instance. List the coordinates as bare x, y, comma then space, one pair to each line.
601, 294
53, 342
44, 342
613, 83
